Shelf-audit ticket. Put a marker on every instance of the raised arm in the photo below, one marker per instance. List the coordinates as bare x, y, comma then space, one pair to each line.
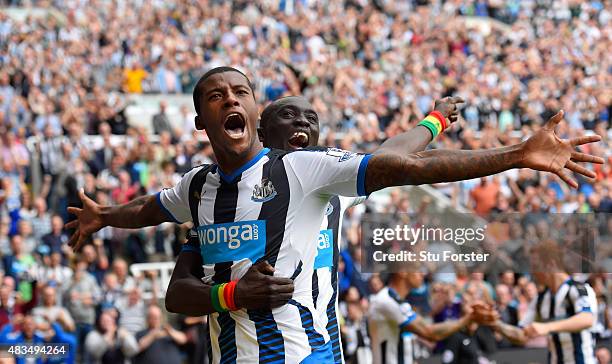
544, 151
417, 138
140, 212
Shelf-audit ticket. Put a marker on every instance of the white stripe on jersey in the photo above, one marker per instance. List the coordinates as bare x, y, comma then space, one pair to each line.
231, 215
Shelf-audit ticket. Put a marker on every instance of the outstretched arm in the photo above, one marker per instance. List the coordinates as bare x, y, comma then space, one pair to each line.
514, 334
576, 323
544, 151
140, 212
439, 331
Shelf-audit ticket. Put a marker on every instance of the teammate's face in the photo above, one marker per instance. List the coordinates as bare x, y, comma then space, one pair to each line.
293, 125
228, 113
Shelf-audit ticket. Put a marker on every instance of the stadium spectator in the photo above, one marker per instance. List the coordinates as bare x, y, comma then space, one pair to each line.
158, 343
120, 269
132, 310
81, 297
24, 330
108, 343
508, 313
51, 312
57, 238
21, 267
12, 307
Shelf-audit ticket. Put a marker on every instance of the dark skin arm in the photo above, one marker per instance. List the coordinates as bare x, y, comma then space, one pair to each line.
544, 151
477, 312
140, 212
439, 331
258, 289
417, 138
514, 334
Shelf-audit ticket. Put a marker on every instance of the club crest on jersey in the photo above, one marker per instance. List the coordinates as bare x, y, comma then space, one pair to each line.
264, 192
342, 155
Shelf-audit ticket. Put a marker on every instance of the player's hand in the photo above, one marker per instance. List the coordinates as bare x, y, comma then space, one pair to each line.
89, 220
545, 151
259, 288
536, 329
483, 314
448, 107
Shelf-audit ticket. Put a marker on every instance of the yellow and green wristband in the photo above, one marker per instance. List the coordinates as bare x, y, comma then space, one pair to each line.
435, 122
222, 296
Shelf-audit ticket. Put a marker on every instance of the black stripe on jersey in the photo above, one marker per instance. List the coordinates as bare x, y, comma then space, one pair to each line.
315, 287
538, 315
208, 343
315, 339
224, 212
400, 349
383, 350
333, 222
195, 194
274, 211
269, 337
555, 337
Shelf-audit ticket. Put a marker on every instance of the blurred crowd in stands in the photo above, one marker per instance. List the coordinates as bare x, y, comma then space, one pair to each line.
371, 69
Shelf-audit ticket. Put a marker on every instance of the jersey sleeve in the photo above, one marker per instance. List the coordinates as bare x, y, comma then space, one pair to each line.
385, 308
175, 201
583, 298
330, 171
347, 202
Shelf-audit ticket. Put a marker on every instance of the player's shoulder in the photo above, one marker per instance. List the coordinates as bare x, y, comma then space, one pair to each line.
198, 168
340, 155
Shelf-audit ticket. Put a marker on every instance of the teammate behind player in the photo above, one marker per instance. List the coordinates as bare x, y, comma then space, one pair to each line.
291, 123
565, 311
279, 224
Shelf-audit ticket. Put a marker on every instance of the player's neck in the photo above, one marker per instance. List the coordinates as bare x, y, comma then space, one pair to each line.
556, 280
230, 163
400, 288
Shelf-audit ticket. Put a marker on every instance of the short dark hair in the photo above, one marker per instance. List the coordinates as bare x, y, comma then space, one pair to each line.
197, 91
272, 109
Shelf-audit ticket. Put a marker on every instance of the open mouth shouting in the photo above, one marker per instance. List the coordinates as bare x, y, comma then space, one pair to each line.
235, 125
299, 140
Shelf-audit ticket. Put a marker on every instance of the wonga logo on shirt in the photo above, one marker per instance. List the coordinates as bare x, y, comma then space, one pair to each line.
232, 241
325, 252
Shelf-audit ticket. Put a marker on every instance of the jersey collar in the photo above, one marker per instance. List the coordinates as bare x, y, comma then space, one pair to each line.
231, 177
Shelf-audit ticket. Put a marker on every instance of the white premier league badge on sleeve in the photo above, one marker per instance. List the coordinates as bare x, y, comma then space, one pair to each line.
342, 155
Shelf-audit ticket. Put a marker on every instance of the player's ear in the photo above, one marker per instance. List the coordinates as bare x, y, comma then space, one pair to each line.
199, 122
260, 132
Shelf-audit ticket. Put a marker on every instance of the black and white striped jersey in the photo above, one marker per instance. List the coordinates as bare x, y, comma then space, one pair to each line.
389, 316
325, 277
571, 298
270, 209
